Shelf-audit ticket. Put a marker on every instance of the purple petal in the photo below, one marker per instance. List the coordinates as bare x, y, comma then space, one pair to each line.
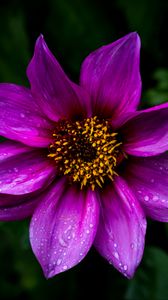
14, 207
23, 170
56, 94
111, 76
21, 118
148, 178
63, 227
121, 231
146, 133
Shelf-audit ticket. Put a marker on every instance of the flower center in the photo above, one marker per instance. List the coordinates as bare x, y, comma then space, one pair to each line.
87, 151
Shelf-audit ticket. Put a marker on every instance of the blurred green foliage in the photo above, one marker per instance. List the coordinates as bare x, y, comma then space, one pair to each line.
14, 52
159, 93
152, 287
72, 30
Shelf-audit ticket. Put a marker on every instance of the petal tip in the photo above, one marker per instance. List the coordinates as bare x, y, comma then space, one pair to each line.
40, 40
127, 271
134, 36
50, 272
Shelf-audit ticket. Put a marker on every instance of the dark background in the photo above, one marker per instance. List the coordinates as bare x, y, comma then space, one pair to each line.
72, 30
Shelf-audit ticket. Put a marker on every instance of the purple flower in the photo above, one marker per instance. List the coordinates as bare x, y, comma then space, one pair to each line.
81, 160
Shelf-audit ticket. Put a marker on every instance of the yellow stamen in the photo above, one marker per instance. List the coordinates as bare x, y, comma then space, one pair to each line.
89, 151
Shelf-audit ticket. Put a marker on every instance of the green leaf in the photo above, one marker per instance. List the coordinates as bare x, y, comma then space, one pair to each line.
150, 281
159, 93
14, 52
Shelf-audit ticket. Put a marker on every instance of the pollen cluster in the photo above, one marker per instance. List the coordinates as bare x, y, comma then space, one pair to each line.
86, 151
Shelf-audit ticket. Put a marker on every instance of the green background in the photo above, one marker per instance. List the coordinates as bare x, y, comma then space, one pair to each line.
72, 30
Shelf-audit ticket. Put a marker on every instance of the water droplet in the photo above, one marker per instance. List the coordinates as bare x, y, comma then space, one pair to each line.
87, 231
8, 180
125, 267
62, 242
116, 255
59, 260
155, 198
91, 225
65, 267
146, 198
132, 245
115, 245
68, 229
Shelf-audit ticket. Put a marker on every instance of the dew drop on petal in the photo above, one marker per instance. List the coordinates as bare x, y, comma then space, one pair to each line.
125, 267
155, 198
132, 245
146, 198
116, 255
59, 260
62, 242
